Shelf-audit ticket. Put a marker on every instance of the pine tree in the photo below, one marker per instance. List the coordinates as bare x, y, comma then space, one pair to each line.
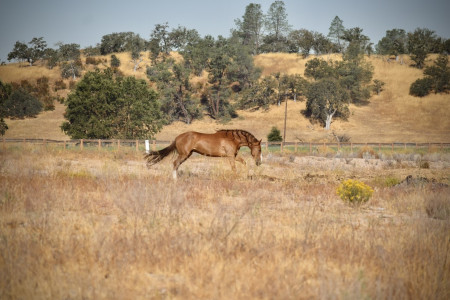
251, 26
274, 135
336, 32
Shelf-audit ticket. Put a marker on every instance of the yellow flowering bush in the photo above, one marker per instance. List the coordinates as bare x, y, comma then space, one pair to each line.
354, 191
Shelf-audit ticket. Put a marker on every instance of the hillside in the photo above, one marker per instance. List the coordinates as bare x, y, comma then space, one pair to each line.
392, 116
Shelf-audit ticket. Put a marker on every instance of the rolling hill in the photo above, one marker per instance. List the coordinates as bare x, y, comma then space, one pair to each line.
392, 116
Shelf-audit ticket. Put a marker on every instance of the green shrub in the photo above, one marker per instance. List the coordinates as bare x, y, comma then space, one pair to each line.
424, 165
42, 92
22, 104
3, 126
60, 85
115, 62
93, 61
378, 86
421, 87
391, 181
354, 192
274, 135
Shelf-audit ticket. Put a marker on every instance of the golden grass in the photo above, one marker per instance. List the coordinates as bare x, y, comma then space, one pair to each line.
17, 72
392, 116
45, 126
100, 225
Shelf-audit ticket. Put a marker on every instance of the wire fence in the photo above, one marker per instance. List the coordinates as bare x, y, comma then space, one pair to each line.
310, 148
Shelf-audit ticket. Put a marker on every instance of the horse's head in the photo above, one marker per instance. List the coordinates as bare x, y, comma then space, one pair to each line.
255, 148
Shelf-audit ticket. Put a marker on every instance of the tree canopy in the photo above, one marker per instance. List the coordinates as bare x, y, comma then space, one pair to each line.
178, 101
104, 106
437, 78
327, 99
250, 28
420, 44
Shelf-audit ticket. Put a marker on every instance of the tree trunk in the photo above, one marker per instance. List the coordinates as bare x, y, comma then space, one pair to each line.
285, 119
328, 121
179, 98
214, 103
136, 63
73, 71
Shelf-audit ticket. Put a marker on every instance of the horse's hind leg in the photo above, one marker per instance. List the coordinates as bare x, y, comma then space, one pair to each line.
180, 159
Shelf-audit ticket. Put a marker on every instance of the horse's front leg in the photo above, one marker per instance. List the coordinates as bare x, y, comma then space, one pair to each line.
241, 160
232, 163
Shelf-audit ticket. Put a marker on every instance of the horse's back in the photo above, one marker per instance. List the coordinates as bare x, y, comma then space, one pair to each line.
211, 144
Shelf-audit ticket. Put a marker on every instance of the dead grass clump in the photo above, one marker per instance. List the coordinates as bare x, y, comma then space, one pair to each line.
437, 205
367, 152
326, 151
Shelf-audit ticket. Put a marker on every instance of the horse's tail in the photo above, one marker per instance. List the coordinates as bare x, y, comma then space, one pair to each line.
156, 156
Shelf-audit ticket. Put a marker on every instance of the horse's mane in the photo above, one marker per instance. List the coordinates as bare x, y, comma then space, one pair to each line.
240, 134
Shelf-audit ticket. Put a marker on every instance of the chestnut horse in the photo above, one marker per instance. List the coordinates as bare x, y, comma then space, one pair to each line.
223, 143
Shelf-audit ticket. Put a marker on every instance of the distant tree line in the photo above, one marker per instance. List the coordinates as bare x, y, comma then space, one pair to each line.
67, 56
417, 44
260, 32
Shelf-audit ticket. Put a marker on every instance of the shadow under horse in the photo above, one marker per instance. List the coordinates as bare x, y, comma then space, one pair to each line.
223, 143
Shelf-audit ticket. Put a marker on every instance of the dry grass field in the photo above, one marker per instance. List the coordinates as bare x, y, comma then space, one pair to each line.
98, 225
392, 116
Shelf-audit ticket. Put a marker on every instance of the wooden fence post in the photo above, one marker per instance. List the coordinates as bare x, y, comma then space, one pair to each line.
99, 144
137, 145
154, 145
295, 147
118, 145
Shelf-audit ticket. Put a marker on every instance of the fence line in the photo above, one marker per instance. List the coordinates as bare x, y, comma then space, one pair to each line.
267, 146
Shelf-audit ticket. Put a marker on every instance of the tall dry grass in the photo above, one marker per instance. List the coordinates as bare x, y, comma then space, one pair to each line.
99, 225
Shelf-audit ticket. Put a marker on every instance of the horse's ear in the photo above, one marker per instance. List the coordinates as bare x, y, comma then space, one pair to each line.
260, 141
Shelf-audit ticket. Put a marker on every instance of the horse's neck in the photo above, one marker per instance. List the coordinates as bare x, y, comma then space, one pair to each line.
244, 140
239, 137
243, 144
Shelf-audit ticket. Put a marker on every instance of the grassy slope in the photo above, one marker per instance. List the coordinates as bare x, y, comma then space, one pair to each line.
393, 116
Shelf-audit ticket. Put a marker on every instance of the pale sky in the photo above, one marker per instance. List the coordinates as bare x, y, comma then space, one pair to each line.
84, 22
